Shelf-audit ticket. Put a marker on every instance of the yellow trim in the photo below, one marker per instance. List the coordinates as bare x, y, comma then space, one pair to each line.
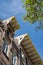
12, 17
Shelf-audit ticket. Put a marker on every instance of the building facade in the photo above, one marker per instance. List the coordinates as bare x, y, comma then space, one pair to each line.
16, 50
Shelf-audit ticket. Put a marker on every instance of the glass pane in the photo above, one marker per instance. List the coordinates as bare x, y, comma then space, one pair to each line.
5, 47
14, 60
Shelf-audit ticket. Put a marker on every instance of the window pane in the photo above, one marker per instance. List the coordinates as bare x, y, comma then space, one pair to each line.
14, 60
5, 47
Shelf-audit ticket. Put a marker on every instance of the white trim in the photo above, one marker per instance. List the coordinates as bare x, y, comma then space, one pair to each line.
20, 38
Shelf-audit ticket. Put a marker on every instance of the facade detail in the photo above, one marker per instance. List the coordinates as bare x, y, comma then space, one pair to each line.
16, 50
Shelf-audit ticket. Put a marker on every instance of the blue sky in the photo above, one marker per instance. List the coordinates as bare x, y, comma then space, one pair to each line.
10, 8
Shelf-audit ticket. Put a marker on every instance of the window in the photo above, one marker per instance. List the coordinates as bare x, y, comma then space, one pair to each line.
26, 61
5, 48
14, 59
22, 57
7, 32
